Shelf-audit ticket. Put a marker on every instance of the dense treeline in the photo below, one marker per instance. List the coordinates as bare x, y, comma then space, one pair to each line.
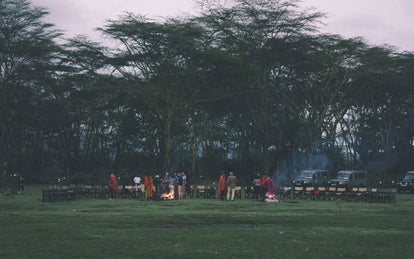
249, 87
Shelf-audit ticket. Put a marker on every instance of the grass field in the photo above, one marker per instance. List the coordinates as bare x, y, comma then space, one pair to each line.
203, 228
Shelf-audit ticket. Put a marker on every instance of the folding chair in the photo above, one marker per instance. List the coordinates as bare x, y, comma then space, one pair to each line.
238, 192
331, 193
362, 194
373, 195
320, 194
47, 194
201, 191
298, 193
287, 192
248, 192
309, 193
341, 194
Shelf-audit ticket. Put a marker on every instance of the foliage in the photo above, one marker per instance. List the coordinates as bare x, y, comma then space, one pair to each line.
247, 86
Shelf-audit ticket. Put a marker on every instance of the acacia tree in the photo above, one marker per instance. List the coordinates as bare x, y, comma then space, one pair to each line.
263, 35
27, 49
384, 99
158, 60
323, 87
83, 93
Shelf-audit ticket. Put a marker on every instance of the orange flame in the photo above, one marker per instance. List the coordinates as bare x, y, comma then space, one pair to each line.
168, 196
271, 198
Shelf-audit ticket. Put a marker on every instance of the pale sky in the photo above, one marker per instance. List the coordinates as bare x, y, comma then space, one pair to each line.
379, 22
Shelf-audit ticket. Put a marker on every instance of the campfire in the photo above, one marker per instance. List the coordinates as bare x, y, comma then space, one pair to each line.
168, 196
271, 198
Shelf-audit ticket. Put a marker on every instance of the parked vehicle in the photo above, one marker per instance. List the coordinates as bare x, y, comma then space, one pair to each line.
350, 178
311, 178
407, 183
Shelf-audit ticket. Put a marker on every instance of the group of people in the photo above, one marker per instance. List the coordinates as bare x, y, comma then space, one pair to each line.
227, 187
262, 186
177, 183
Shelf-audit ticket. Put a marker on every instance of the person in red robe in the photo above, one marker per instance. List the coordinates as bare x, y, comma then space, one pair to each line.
113, 186
270, 187
264, 185
222, 188
148, 183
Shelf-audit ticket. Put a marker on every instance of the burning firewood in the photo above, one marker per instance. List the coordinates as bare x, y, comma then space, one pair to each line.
168, 196
271, 198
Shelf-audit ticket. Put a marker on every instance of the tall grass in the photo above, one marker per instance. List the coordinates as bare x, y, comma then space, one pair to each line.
203, 228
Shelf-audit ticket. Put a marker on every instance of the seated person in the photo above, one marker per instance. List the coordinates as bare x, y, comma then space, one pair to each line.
212, 189
188, 189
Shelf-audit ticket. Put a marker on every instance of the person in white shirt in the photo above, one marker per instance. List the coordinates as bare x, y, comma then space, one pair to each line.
137, 180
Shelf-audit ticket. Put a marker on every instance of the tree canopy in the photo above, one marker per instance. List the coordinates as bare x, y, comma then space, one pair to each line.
252, 86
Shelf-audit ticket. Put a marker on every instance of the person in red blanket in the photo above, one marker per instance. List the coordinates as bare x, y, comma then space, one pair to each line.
148, 182
222, 188
113, 186
264, 185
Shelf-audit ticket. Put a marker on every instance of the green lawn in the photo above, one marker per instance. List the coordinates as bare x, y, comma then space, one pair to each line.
202, 228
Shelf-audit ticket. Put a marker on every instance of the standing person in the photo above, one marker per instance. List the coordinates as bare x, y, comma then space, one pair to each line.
184, 182
264, 185
112, 186
157, 184
270, 187
171, 184
148, 183
231, 182
212, 189
180, 186
20, 187
176, 194
256, 186
184, 177
188, 188
137, 180
125, 180
164, 183
222, 186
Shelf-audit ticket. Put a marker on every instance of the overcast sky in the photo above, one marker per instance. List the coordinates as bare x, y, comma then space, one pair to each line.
379, 22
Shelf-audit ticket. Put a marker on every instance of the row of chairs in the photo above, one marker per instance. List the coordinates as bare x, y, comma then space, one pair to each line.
52, 193
336, 193
61, 193
57, 193
203, 192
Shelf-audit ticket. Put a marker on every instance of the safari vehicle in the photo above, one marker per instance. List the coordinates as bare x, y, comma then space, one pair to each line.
349, 178
407, 183
311, 178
